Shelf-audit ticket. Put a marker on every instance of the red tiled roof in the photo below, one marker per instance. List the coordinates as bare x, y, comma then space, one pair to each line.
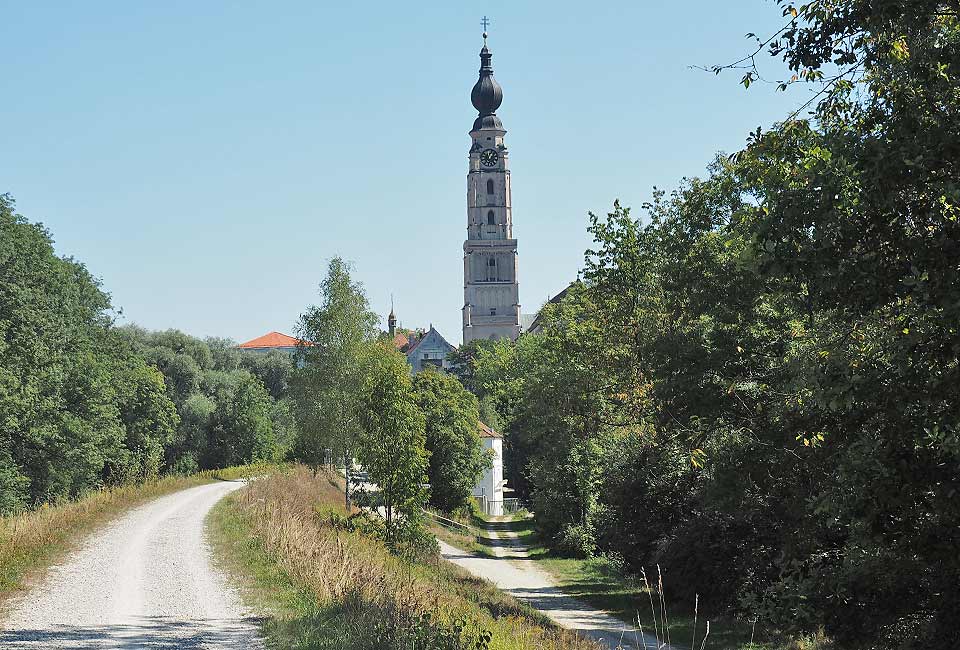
400, 340
271, 340
487, 432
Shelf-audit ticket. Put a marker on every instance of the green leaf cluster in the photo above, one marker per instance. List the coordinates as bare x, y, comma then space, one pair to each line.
457, 456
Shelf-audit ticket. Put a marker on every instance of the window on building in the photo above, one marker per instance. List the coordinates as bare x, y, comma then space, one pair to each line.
491, 218
490, 186
492, 269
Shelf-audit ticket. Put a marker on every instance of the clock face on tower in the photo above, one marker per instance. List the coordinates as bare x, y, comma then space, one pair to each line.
489, 157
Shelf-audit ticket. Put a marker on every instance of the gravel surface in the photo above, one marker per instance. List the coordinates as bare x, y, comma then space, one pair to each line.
517, 575
144, 581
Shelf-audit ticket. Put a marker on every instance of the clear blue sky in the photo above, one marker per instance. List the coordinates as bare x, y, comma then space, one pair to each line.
206, 159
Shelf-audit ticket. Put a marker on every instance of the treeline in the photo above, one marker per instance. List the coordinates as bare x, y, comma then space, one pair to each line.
757, 386
85, 404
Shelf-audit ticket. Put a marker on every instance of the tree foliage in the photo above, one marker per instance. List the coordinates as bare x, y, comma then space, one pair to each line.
391, 445
338, 336
758, 386
84, 404
78, 409
457, 456
226, 415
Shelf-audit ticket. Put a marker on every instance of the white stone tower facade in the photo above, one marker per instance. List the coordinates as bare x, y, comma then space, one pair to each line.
491, 308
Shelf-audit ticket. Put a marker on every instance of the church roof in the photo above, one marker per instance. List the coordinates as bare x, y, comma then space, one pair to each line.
271, 340
486, 95
535, 323
432, 335
527, 321
487, 432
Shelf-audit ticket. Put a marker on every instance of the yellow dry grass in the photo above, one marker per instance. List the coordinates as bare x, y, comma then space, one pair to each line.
356, 574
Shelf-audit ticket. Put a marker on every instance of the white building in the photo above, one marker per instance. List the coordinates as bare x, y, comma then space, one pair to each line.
489, 491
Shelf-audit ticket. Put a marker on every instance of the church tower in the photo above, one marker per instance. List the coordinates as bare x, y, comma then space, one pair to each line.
491, 294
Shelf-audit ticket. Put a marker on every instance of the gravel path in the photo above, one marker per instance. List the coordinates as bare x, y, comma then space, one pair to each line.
516, 574
144, 581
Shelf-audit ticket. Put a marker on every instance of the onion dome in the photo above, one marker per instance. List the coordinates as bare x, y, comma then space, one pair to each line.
486, 95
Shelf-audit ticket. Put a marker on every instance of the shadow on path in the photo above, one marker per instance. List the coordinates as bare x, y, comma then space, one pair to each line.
516, 573
150, 632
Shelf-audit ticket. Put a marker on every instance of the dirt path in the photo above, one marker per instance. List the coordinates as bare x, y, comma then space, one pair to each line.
513, 572
144, 581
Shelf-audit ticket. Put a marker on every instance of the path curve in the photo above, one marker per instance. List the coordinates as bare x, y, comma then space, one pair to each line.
146, 580
513, 572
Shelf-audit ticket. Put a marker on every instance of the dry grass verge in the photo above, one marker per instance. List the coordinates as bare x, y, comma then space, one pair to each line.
361, 595
33, 540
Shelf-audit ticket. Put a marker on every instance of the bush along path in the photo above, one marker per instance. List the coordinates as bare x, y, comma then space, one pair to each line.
514, 572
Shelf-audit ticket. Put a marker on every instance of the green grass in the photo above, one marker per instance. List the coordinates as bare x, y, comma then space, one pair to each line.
598, 582
479, 541
461, 540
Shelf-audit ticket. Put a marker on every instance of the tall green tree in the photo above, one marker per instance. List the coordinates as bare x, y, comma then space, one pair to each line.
327, 387
392, 441
457, 456
273, 369
150, 419
241, 430
225, 416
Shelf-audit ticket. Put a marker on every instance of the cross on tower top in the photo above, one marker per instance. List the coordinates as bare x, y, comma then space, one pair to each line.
485, 22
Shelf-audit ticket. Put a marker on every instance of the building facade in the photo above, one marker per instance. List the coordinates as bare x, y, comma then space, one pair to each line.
428, 349
422, 347
490, 490
491, 308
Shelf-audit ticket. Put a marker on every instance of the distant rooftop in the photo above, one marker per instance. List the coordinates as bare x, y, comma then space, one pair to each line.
400, 341
271, 340
487, 432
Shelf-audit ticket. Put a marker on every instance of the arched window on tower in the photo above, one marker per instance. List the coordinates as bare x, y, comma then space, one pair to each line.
492, 269
489, 186
491, 218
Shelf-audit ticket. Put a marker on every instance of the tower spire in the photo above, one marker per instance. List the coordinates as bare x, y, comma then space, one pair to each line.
486, 95
392, 320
